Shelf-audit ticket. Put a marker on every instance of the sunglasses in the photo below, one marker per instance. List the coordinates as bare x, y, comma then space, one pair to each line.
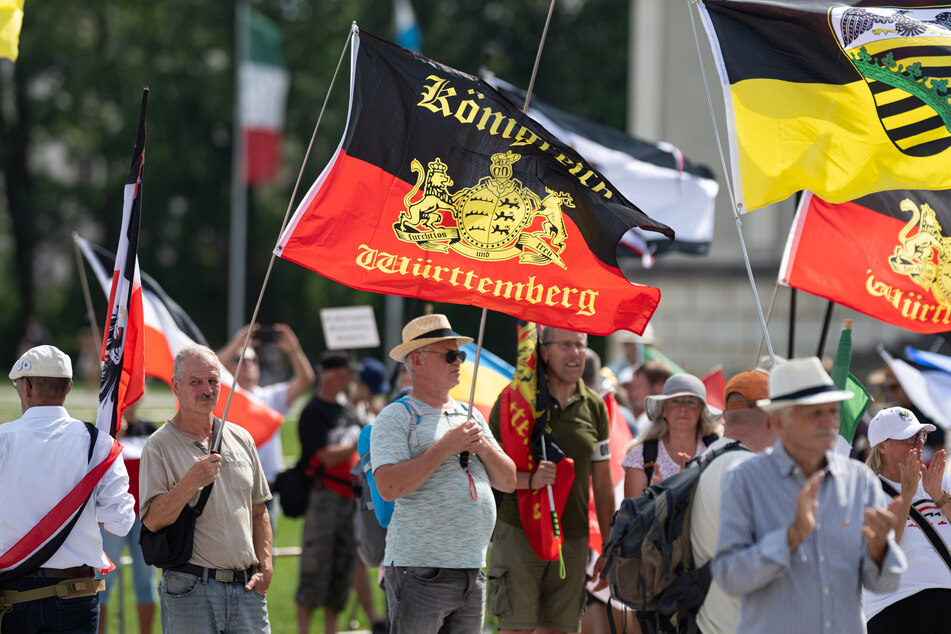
450, 355
913, 440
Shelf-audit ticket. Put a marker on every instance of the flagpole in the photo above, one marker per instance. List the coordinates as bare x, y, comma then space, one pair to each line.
475, 370
528, 99
81, 265
769, 314
825, 328
267, 276
729, 187
238, 241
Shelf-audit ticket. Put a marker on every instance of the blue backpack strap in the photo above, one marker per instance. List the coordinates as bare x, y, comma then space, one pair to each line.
413, 423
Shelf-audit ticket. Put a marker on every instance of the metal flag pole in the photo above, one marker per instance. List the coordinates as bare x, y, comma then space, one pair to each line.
729, 186
475, 372
290, 204
81, 265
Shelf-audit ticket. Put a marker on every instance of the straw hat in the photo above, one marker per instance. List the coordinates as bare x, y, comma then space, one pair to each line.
423, 331
648, 338
45, 361
681, 385
801, 382
895, 422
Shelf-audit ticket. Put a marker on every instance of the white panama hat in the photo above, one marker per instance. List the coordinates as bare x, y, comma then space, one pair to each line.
801, 382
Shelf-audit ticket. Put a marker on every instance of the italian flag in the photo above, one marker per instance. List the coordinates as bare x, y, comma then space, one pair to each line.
263, 85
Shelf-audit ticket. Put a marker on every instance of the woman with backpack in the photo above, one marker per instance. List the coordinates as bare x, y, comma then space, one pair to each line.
682, 427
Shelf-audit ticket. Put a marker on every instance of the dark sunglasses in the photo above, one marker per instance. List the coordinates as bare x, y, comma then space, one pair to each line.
451, 355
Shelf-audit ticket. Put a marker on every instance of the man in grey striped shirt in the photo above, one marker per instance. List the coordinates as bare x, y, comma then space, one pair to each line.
803, 529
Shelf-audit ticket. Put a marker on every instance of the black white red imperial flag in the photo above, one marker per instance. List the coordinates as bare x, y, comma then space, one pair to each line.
443, 189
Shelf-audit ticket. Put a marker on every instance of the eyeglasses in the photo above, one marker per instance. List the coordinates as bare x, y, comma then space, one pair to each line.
450, 355
568, 346
25, 378
913, 440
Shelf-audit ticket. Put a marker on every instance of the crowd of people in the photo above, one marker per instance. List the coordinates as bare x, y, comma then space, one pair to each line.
799, 538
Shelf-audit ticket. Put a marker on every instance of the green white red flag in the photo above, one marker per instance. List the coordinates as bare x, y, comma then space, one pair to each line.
262, 93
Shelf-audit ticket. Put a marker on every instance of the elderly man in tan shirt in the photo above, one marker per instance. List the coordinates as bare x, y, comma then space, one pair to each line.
230, 566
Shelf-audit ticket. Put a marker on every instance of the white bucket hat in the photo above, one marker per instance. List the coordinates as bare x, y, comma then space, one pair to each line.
895, 422
681, 385
46, 361
801, 382
423, 331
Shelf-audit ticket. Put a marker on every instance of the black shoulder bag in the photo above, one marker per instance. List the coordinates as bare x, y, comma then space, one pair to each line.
936, 542
171, 546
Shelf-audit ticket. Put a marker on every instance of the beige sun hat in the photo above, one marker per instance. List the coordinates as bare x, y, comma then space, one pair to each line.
45, 361
801, 382
423, 331
681, 385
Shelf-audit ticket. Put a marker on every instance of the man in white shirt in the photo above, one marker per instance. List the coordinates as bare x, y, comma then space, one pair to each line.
755, 429
46, 567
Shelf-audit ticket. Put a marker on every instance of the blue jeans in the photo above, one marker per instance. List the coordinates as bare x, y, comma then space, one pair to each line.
143, 575
193, 604
435, 600
69, 616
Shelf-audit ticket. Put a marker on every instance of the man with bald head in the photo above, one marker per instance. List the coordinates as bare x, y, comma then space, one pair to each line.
222, 587
755, 430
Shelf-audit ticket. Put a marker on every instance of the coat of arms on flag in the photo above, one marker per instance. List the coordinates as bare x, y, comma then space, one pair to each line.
443, 189
896, 268
840, 98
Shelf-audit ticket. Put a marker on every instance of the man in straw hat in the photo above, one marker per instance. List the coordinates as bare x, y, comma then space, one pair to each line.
46, 584
803, 528
755, 430
439, 461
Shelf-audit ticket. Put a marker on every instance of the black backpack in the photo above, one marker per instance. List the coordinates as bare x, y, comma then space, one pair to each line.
648, 558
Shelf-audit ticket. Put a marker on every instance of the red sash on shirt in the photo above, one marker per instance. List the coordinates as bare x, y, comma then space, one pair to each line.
517, 415
59, 515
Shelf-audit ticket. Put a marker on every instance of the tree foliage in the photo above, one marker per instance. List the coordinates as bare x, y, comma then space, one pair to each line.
69, 107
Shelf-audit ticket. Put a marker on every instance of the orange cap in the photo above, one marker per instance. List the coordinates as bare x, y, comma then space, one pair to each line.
751, 384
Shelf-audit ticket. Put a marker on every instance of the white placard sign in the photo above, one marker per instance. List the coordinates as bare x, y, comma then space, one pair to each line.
349, 327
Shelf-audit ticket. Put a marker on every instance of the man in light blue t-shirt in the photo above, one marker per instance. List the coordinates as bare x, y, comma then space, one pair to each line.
439, 462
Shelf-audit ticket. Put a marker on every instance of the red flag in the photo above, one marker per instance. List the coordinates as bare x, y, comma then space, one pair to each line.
620, 438
123, 359
520, 418
715, 384
443, 189
167, 330
886, 255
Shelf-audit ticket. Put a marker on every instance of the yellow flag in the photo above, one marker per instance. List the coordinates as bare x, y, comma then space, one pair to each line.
11, 18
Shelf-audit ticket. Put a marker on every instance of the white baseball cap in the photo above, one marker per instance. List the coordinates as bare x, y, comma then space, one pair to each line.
48, 361
895, 422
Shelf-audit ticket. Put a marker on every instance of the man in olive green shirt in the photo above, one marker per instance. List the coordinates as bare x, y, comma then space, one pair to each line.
525, 592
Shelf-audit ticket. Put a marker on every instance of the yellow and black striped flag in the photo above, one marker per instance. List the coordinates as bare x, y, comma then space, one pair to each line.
840, 99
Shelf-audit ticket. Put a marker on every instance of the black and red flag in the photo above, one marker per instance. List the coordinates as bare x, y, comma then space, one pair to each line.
123, 358
887, 255
443, 189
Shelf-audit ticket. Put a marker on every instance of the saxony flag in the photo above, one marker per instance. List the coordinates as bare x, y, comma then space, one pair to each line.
840, 98
443, 189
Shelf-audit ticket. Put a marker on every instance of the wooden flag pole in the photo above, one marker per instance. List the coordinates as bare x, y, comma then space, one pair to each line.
257, 307
736, 215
